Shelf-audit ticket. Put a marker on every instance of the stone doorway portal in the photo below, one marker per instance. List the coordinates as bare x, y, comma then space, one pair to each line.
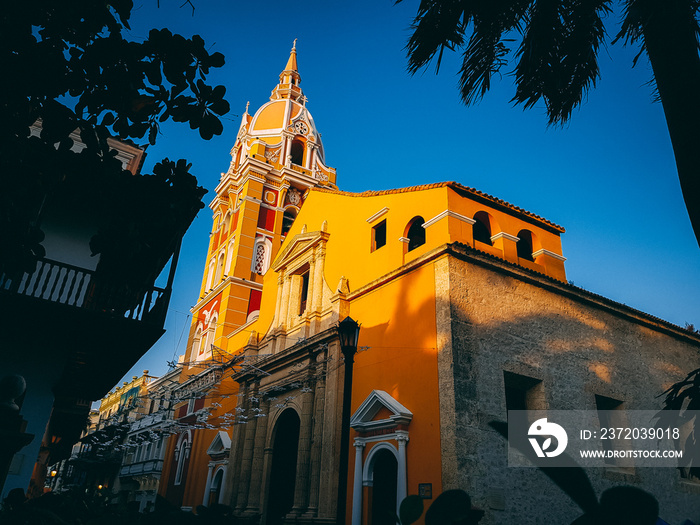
284, 463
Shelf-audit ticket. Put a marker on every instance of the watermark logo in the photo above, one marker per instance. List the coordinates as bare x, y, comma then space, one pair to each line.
543, 428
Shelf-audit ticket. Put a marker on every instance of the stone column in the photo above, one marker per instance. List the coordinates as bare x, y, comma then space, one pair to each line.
207, 487
278, 319
357, 484
310, 294
319, 400
317, 275
301, 487
236, 453
284, 305
258, 460
247, 457
402, 438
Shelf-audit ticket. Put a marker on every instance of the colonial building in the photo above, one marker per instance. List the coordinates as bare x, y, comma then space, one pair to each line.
88, 306
465, 313
145, 444
278, 155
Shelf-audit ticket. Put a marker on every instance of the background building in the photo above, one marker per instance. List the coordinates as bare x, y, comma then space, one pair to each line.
72, 309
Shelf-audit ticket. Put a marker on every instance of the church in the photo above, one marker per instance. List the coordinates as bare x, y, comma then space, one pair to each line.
465, 312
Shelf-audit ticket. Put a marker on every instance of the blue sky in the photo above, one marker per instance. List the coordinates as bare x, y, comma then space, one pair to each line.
608, 176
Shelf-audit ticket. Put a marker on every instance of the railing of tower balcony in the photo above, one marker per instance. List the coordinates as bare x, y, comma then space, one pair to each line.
70, 285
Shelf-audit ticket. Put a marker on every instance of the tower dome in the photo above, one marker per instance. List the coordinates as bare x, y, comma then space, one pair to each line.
283, 131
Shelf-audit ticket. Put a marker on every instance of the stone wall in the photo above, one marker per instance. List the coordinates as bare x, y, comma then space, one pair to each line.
495, 318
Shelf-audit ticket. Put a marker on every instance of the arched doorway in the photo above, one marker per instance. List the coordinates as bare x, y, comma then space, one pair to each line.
216, 484
284, 466
383, 502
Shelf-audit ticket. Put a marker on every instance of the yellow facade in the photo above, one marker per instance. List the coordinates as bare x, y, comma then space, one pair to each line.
429, 272
277, 157
277, 165
391, 290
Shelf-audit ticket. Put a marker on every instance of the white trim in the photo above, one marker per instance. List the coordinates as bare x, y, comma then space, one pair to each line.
505, 235
364, 471
267, 251
231, 278
448, 213
553, 255
367, 470
377, 215
221, 443
362, 420
404, 239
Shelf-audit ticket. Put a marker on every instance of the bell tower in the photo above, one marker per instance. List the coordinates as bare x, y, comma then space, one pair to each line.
278, 155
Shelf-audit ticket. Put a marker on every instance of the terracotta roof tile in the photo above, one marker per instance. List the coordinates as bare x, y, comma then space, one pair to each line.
455, 186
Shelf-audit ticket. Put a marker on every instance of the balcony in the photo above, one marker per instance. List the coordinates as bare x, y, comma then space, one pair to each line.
97, 327
68, 285
142, 468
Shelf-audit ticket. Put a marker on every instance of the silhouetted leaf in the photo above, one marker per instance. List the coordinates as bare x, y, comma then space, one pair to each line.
410, 509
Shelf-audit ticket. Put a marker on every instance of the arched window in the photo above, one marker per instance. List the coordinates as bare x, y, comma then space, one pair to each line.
197, 342
182, 452
211, 332
297, 153
220, 268
482, 228
212, 274
526, 245
227, 223
415, 233
288, 219
229, 261
261, 256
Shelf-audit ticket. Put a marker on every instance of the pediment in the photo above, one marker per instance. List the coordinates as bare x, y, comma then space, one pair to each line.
221, 444
380, 411
299, 244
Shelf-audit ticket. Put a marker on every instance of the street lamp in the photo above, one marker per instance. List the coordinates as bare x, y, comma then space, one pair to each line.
348, 333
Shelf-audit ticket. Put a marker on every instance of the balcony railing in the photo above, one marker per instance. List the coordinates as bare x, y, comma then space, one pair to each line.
149, 466
70, 285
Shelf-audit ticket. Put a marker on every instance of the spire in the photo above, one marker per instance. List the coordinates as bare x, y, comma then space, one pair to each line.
292, 62
290, 76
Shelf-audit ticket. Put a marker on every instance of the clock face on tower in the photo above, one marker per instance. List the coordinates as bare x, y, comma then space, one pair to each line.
300, 127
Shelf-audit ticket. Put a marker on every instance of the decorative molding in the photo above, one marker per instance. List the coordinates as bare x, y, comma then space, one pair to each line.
377, 215
220, 444
448, 213
553, 255
404, 239
300, 243
273, 155
362, 420
257, 177
504, 235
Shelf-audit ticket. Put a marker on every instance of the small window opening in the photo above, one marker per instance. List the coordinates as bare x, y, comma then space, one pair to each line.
304, 292
379, 235
610, 416
525, 245
522, 392
416, 233
482, 229
297, 152
288, 219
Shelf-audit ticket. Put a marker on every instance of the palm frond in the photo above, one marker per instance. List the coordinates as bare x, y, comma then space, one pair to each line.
558, 56
438, 25
487, 52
